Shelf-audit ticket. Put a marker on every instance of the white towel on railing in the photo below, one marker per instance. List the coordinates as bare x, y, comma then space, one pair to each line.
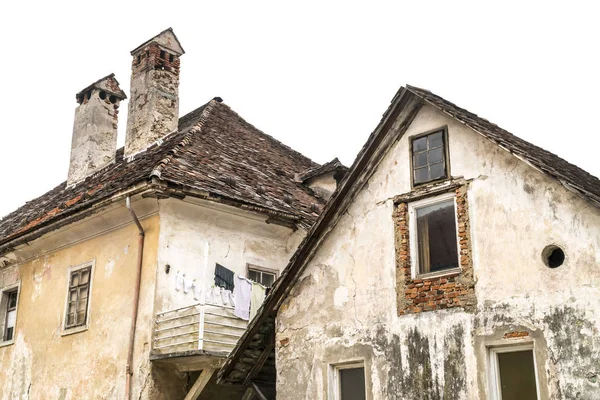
242, 292
187, 284
197, 290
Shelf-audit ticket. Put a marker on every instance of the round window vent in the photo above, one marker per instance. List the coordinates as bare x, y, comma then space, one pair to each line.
553, 256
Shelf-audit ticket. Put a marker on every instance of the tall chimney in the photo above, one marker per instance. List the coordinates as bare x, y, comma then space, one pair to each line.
94, 141
154, 105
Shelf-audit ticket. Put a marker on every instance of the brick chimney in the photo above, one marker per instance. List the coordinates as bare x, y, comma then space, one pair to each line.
94, 141
154, 105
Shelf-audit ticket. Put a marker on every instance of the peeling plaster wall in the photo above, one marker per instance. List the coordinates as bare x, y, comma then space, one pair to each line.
44, 364
234, 238
344, 304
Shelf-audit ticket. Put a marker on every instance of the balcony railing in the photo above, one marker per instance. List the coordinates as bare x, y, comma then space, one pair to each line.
209, 327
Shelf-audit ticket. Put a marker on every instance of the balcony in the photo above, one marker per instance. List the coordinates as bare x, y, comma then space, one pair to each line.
196, 336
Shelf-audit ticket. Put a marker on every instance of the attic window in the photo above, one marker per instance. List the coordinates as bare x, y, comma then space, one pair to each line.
429, 155
171, 58
102, 94
162, 54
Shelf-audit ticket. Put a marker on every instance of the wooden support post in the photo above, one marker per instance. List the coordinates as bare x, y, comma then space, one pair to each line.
258, 392
249, 395
200, 384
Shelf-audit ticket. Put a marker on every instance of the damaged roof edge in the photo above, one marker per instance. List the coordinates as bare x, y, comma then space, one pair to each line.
404, 103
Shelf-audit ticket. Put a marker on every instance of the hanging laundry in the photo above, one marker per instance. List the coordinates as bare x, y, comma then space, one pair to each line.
242, 292
197, 290
258, 296
179, 280
225, 296
187, 284
232, 299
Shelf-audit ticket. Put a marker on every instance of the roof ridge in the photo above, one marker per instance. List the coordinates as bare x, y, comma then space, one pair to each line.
269, 137
197, 128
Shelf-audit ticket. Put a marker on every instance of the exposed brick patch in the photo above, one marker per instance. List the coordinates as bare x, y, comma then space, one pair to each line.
429, 294
153, 57
515, 335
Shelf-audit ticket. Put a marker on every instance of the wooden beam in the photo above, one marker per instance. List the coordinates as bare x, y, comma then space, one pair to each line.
249, 395
257, 392
200, 384
261, 360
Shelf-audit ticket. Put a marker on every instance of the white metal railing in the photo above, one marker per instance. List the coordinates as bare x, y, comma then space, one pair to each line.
208, 326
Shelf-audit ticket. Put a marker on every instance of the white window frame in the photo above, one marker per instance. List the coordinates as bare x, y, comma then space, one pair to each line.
69, 331
334, 377
494, 369
4, 290
258, 268
413, 238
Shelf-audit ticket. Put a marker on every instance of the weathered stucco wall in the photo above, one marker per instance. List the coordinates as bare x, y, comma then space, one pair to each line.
195, 237
44, 364
345, 303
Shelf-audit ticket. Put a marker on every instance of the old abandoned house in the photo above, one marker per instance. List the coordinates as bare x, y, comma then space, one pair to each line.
106, 281
455, 261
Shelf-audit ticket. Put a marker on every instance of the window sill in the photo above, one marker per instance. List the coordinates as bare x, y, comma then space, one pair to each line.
439, 274
7, 343
71, 331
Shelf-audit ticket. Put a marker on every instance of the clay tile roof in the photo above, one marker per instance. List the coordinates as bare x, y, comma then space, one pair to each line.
212, 142
571, 176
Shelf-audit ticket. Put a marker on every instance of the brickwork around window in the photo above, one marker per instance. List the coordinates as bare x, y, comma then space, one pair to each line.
428, 294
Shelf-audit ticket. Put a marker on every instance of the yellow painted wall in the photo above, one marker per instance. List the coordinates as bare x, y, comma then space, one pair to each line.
43, 364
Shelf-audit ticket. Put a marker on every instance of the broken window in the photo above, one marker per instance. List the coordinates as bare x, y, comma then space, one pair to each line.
261, 275
9, 313
434, 235
429, 157
224, 277
78, 297
348, 382
513, 373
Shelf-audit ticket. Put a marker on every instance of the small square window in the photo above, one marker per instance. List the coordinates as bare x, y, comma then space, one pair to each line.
8, 313
262, 275
513, 373
433, 231
429, 157
78, 297
348, 382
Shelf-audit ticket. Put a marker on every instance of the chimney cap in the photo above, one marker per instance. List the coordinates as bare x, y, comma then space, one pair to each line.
109, 84
166, 39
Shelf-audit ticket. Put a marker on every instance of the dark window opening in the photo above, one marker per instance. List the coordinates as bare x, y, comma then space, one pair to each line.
162, 54
171, 57
139, 59
352, 383
436, 237
10, 317
112, 99
77, 305
224, 277
516, 372
429, 158
102, 94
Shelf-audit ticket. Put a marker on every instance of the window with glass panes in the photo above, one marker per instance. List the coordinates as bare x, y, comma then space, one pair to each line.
11, 314
264, 278
429, 157
79, 293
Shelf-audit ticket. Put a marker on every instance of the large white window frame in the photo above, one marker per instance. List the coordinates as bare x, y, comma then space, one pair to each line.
335, 383
4, 292
81, 328
495, 387
413, 235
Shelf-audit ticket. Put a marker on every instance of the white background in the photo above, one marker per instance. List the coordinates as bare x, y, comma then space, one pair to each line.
315, 75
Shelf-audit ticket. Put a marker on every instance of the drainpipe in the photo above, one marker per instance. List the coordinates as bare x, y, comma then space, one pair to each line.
136, 299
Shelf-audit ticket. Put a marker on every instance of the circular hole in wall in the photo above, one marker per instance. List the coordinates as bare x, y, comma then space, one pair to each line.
553, 256
102, 94
112, 99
